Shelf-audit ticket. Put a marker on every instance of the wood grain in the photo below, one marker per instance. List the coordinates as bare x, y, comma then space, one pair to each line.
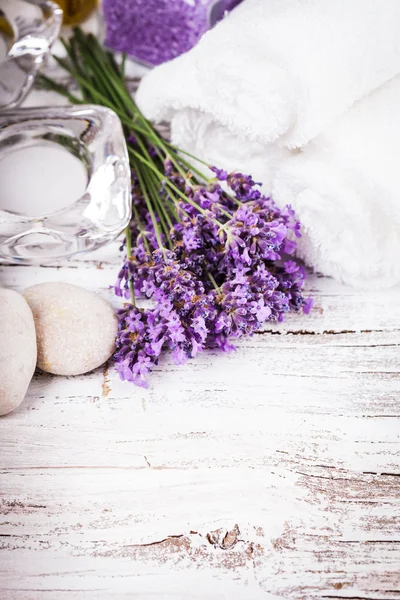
272, 472
269, 473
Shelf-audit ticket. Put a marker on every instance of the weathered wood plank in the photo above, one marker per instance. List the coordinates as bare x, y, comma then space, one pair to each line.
338, 308
274, 470
270, 473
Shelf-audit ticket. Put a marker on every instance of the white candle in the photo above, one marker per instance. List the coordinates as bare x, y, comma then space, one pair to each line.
40, 179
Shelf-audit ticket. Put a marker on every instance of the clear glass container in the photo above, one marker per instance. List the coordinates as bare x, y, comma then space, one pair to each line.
40, 221
28, 29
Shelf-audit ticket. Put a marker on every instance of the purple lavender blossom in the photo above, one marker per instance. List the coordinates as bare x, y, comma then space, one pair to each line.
155, 31
229, 271
177, 323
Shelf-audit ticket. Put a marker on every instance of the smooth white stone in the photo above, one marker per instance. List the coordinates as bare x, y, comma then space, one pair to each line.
75, 329
17, 349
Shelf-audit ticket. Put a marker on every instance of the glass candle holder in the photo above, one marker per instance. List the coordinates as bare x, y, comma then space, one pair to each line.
28, 28
155, 31
66, 182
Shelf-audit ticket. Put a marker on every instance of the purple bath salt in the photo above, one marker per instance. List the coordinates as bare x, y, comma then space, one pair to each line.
154, 31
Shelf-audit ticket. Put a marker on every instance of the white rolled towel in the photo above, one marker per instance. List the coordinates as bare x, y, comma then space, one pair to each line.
345, 188
281, 70
344, 184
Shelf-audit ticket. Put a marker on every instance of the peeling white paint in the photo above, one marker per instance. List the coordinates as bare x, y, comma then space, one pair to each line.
270, 473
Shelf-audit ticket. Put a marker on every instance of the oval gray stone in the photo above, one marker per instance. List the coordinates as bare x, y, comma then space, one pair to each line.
75, 329
17, 349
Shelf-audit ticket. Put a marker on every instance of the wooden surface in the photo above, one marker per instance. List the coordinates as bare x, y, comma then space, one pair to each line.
273, 472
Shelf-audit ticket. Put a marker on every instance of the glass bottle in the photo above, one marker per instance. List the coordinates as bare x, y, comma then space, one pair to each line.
76, 11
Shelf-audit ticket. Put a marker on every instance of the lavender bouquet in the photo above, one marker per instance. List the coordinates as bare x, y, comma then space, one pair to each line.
212, 254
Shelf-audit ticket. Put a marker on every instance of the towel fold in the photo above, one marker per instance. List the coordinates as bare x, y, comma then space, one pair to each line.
345, 189
344, 185
281, 69
200, 135
268, 92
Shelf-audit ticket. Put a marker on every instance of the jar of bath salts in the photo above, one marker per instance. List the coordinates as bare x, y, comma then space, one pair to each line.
155, 31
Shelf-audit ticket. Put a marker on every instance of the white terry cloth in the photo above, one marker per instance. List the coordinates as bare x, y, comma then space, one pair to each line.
345, 188
281, 70
344, 185
201, 136
274, 75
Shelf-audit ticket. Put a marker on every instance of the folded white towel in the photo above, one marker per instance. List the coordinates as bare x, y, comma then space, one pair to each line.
199, 134
345, 188
281, 69
344, 183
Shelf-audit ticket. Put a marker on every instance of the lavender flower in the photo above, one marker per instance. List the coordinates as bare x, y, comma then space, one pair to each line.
229, 270
177, 323
213, 257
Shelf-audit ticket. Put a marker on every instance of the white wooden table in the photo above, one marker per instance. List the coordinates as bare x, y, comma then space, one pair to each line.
273, 472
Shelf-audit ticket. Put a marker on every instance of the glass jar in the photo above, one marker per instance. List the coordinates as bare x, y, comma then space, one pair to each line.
38, 220
28, 29
155, 31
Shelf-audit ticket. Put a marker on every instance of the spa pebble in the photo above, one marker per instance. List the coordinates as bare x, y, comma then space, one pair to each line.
75, 328
17, 349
